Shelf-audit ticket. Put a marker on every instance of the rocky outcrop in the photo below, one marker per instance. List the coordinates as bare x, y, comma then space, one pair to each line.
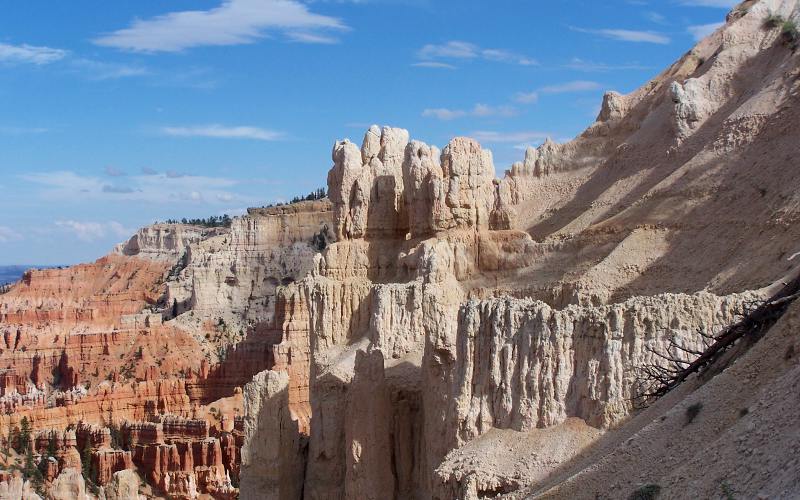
17, 488
166, 242
179, 457
124, 485
520, 365
273, 454
69, 485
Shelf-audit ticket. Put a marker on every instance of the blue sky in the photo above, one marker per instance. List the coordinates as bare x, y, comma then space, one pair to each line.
116, 114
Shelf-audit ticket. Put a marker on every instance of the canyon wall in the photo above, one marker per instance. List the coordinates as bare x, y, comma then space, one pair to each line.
418, 333
169, 326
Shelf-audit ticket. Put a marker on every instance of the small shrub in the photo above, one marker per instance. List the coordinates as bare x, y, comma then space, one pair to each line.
773, 21
790, 33
646, 492
692, 412
789, 354
727, 492
743, 412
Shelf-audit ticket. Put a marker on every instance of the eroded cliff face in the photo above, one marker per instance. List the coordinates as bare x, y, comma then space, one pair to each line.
164, 330
392, 356
166, 242
456, 311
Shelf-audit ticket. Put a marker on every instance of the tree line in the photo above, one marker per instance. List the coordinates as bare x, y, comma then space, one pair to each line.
316, 194
213, 221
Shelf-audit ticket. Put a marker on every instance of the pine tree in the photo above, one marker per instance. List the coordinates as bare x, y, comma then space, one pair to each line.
24, 436
31, 471
51, 446
8, 443
86, 460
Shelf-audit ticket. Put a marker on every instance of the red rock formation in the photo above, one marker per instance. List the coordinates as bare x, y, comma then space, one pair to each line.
107, 461
170, 449
95, 344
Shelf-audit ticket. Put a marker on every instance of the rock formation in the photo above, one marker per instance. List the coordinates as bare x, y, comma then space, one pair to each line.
455, 311
432, 331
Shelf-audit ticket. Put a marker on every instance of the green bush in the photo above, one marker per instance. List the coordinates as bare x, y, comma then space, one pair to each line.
790, 33
773, 21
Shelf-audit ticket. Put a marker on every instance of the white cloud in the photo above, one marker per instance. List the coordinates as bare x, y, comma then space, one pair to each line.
576, 86
701, 31
161, 188
456, 49
562, 88
234, 22
93, 70
433, 64
479, 110
92, 231
513, 137
30, 54
591, 66
450, 50
527, 97
303, 37
725, 4
8, 235
628, 35
655, 17
222, 132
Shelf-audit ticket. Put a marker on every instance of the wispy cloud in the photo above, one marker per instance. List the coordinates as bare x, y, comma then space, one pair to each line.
627, 35
561, 88
701, 31
222, 132
22, 130
163, 188
655, 17
304, 37
578, 64
7, 235
433, 64
90, 231
456, 49
575, 86
99, 70
30, 54
489, 136
479, 110
68, 61
234, 22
